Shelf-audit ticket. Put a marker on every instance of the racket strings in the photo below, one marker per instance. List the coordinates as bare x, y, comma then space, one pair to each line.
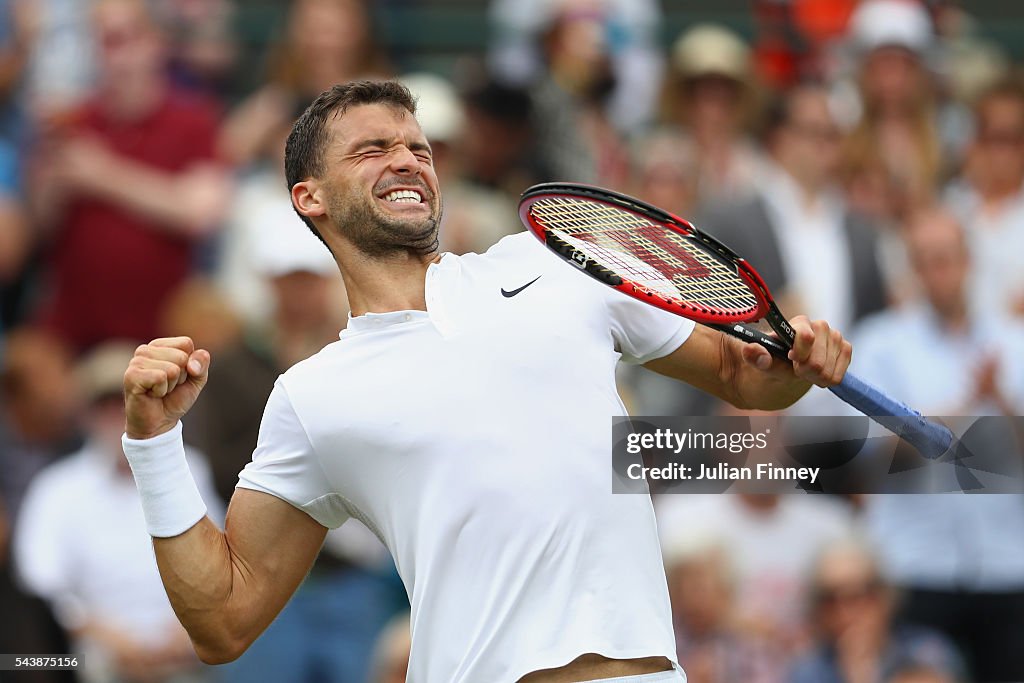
646, 253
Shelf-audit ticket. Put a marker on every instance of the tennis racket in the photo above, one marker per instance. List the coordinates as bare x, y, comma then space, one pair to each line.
665, 261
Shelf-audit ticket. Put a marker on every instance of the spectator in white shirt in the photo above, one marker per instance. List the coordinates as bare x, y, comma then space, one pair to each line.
80, 543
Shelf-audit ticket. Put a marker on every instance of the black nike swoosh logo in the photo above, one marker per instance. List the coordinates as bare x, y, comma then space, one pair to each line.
509, 295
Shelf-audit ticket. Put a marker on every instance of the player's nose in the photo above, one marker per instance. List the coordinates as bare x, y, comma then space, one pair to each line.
404, 162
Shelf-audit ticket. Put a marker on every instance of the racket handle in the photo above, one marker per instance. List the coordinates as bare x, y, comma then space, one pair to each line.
751, 334
930, 438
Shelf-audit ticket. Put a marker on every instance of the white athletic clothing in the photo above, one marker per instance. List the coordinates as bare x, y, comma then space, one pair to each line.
475, 439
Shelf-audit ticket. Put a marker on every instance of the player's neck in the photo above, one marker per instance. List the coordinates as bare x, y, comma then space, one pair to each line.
397, 283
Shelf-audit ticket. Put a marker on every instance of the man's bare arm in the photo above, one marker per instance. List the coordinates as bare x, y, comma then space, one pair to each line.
747, 376
226, 587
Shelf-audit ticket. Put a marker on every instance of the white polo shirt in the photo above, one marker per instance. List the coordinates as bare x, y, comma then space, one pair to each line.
475, 439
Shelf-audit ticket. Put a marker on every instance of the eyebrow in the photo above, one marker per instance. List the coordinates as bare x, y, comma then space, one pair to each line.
386, 143
420, 147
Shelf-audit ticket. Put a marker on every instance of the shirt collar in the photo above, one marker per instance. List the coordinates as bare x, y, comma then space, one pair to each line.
372, 322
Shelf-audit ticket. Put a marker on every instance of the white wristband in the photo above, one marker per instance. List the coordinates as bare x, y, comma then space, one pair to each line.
170, 499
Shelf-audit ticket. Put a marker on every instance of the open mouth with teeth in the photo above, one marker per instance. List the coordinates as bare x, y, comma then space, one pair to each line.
404, 198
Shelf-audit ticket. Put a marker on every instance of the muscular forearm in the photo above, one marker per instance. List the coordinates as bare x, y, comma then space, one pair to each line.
202, 579
193, 555
222, 600
713, 362
225, 587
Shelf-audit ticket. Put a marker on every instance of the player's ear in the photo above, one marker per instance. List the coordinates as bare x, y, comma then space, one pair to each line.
307, 198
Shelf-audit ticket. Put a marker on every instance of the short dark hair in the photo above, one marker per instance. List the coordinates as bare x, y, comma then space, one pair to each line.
304, 151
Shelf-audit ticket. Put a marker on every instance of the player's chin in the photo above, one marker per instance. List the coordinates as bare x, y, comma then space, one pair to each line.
419, 235
395, 213
411, 225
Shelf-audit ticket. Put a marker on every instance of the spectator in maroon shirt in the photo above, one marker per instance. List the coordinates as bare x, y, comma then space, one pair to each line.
128, 184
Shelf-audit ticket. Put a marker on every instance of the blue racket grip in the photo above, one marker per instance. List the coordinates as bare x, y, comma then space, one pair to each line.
930, 438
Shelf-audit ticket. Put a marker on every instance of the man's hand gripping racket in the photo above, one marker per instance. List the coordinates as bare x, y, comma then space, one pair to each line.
665, 261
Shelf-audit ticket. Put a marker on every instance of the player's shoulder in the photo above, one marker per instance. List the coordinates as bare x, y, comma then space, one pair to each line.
516, 241
522, 255
311, 369
517, 248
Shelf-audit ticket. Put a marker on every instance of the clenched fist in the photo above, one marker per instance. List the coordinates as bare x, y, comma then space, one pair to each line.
162, 382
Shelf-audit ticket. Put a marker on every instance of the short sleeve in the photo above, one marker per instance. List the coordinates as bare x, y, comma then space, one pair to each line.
641, 331
285, 465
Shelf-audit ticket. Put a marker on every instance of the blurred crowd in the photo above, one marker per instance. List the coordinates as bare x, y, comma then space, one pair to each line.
868, 158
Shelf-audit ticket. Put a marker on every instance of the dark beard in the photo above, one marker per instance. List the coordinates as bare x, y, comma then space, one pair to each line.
378, 235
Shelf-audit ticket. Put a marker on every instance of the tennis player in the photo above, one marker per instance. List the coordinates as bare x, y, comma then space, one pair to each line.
463, 416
